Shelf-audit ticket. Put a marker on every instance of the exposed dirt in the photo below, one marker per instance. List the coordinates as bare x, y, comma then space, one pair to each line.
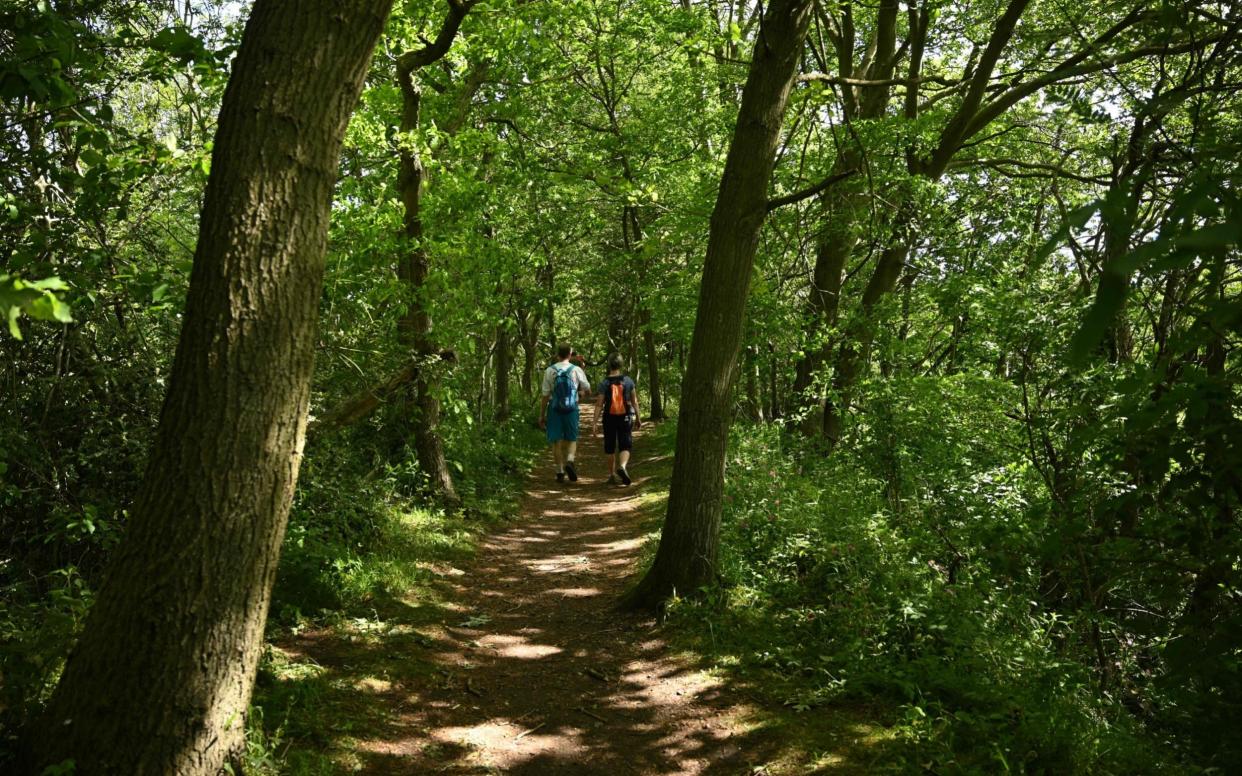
538, 673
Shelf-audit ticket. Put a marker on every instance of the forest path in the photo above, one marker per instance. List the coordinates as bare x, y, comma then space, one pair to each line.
538, 673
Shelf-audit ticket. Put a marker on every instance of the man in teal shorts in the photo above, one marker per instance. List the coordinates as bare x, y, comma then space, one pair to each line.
562, 383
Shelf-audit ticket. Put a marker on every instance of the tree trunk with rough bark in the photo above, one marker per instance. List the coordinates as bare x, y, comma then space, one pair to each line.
161, 679
686, 558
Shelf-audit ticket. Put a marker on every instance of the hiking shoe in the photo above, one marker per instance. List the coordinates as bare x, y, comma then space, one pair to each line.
612, 479
624, 475
560, 476
571, 471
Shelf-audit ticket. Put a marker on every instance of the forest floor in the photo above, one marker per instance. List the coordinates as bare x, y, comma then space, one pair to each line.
526, 666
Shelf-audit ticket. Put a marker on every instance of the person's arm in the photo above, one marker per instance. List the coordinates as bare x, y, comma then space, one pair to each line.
637, 421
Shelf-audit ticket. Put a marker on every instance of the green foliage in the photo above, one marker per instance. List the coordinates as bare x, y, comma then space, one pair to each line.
38, 624
1022, 553
356, 534
33, 298
833, 597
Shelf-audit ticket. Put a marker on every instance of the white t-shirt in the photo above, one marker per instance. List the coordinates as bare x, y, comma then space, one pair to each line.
549, 378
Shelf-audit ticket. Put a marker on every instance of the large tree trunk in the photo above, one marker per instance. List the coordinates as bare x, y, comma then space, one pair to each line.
414, 327
161, 679
686, 559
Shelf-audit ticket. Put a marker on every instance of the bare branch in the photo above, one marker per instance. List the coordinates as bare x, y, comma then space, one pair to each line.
798, 196
1001, 165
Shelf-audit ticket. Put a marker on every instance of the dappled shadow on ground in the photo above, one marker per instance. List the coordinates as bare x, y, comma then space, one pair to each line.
531, 668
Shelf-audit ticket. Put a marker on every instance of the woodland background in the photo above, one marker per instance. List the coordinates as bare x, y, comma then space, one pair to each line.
983, 475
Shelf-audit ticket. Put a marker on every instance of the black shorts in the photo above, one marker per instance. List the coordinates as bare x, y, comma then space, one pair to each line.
617, 434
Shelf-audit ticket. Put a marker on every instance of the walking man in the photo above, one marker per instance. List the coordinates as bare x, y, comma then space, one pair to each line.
618, 406
559, 411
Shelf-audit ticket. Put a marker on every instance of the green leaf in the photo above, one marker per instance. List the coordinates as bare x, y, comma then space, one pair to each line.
34, 298
49, 284
1211, 238
179, 43
13, 312
1075, 219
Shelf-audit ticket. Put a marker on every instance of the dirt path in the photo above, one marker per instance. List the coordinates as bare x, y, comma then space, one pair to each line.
539, 674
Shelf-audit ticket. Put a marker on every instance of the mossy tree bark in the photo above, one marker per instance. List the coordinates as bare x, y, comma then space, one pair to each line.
161, 679
686, 559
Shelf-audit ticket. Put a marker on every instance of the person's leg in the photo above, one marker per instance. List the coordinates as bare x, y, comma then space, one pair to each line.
610, 448
554, 436
625, 441
571, 444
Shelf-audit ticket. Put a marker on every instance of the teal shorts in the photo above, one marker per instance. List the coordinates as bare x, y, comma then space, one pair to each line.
562, 426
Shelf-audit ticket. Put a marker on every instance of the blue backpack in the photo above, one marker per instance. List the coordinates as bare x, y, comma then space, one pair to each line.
565, 391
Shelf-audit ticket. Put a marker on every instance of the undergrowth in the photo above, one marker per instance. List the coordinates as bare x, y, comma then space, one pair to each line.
896, 577
357, 560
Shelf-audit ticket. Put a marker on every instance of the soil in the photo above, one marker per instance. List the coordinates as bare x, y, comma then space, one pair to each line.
536, 669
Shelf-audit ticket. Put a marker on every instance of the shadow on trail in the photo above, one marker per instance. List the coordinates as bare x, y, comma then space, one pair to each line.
531, 668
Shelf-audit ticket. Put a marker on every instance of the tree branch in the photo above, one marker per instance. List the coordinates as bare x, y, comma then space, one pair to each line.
955, 131
366, 401
413, 60
798, 196
1057, 171
865, 82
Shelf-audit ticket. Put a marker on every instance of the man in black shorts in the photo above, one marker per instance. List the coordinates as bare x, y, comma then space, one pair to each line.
618, 406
